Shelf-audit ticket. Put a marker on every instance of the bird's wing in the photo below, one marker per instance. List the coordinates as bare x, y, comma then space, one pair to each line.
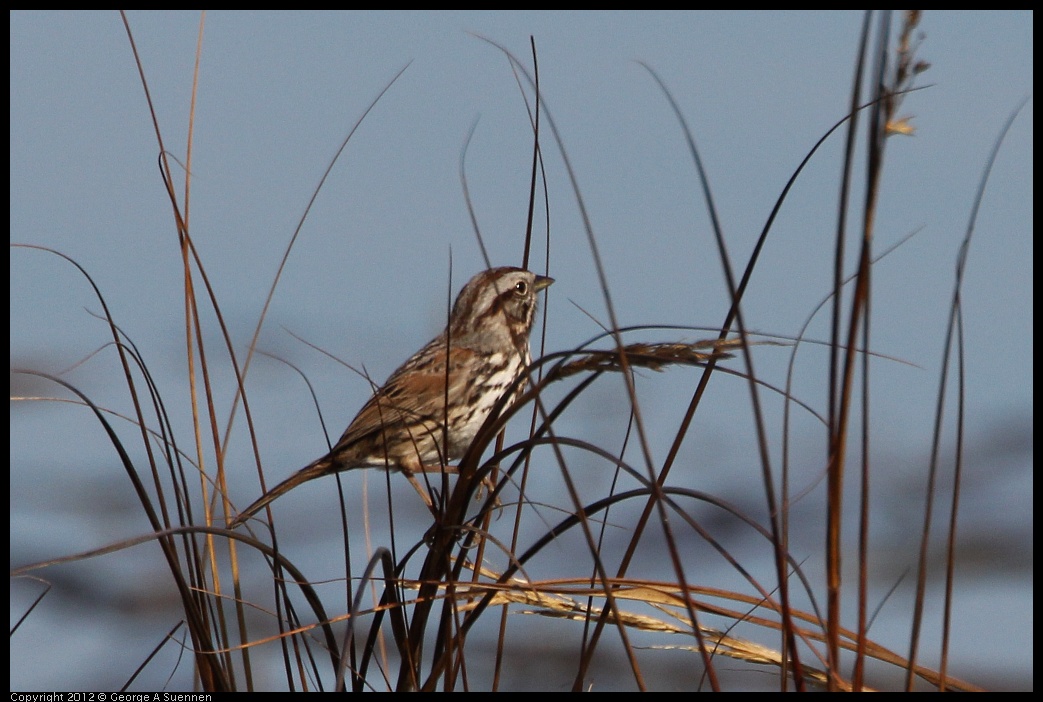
414, 394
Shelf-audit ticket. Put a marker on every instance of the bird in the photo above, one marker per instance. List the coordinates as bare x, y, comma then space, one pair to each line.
414, 423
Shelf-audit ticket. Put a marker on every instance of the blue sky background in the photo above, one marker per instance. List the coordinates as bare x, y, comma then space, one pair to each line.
367, 279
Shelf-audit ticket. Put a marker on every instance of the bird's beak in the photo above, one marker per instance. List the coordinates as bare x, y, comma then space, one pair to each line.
542, 282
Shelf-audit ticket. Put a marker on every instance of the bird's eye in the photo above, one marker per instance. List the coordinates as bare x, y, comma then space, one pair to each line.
521, 287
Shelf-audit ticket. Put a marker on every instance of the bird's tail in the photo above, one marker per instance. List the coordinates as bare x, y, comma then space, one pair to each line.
313, 470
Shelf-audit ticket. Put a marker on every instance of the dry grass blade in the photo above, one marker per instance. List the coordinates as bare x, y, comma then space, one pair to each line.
654, 356
569, 599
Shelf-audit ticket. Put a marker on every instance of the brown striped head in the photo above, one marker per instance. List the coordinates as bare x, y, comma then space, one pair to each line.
496, 308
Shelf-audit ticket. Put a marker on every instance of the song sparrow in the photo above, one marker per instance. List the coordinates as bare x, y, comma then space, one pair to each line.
407, 425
